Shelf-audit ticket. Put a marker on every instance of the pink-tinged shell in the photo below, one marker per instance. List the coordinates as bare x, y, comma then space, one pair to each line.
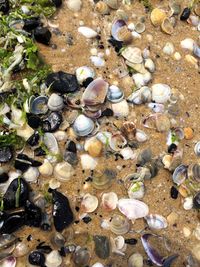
9, 262
109, 201
117, 142
133, 208
156, 221
116, 26
95, 93
89, 203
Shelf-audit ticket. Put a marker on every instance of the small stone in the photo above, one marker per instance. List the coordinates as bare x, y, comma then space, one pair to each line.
168, 49
186, 232
174, 192
95, 148
74, 5
188, 133
172, 218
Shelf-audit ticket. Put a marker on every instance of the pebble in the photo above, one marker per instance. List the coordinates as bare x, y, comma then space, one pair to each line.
95, 148
172, 218
174, 192
168, 49
188, 133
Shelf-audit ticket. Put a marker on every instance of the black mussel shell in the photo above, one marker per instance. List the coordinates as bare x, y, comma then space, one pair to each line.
33, 214
34, 121
44, 248
87, 82
3, 177
71, 146
23, 162
57, 3
118, 45
174, 192
62, 213
185, 14
70, 157
42, 35
46, 222
62, 82
36, 258
31, 23
107, 112
52, 122
4, 6
10, 223
6, 154
196, 201
102, 246
13, 197
34, 139
38, 152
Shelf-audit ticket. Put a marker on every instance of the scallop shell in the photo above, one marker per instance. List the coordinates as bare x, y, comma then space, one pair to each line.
136, 190
117, 142
161, 93
102, 8
63, 171
167, 26
132, 208
197, 149
157, 16
156, 221
115, 94
133, 54
180, 174
128, 129
109, 201
114, 4
84, 72
89, 203
95, 93
87, 32
120, 109
83, 125
119, 225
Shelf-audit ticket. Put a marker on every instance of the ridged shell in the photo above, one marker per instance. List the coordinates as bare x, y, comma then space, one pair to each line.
197, 149
89, 203
132, 208
55, 102
119, 225
180, 174
161, 93
114, 94
135, 260
83, 125
103, 179
157, 16
132, 54
128, 129
156, 221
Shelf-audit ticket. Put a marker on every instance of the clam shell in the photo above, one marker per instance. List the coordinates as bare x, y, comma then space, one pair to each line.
140, 27
55, 102
161, 93
74, 6
115, 94
63, 171
93, 146
53, 259
180, 174
89, 203
103, 180
128, 129
52, 146
157, 16
31, 175
124, 35
104, 137
132, 208
95, 93
83, 125
88, 162
84, 72
167, 26
135, 260
120, 109
194, 172
141, 136
142, 79
197, 149
114, 4
150, 65
46, 169
119, 225
156, 221
117, 142
132, 54
140, 96
109, 201
9, 262
136, 190
87, 32
127, 153
188, 44
102, 8
38, 105
116, 26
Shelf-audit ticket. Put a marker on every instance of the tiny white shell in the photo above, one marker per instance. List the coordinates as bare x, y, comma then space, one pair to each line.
88, 162
98, 264
109, 201
168, 49
74, 5
89, 203
63, 171
156, 221
87, 32
120, 109
84, 72
46, 169
135, 260
31, 175
142, 79
188, 44
53, 259
141, 136
150, 65
127, 153
188, 203
161, 93
97, 61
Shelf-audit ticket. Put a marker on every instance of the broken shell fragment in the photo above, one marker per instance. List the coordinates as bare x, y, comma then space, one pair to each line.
157, 16
136, 190
117, 142
156, 221
167, 26
46, 169
149, 65
109, 201
119, 225
118, 245
53, 259
141, 136
188, 44
88, 162
140, 96
89, 203
168, 49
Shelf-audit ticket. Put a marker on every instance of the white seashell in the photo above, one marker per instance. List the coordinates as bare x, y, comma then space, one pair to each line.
55, 102
83, 125
127, 153
54, 184
140, 96
161, 93
74, 5
131, 26
132, 208
63, 171
88, 162
46, 169
84, 72
97, 61
98, 264
118, 245
141, 136
168, 49
53, 259
109, 201
135, 260
156, 107
115, 94
136, 190
89, 203
188, 44
133, 54
141, 79
150, 65
136, 35
31, 175
25, 9
87, 32
156, 221
188, 203
52, 146
60, 136
120, 109
104, 137
8, 262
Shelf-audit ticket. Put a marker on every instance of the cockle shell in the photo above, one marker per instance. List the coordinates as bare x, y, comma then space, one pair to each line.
133, 209
161, 93
157, 16
128, 129
87, 32
93, 146
89, 203
83, 125
156, 221
109, 201
119, 225
55, 102
63, 171
133, 54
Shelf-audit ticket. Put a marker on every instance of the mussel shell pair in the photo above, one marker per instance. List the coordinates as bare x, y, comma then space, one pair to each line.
42, 35
23, 162
52, 122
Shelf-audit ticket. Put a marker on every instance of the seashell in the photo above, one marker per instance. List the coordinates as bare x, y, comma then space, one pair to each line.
93, 146
157, 16
97, 61
128, 129
156, 221
140, 96
194, 20
188, 203
149, 65
74, 5
95, 93
31, 175
53, 259
156, 107
194, 172
142, 79
136, 67
102, 246
118, 245
52, 146
103, 179
89, 203
98, 264
114, 4
175, 7
87, 32
55, 102
7, 245
26, 131
167, 26
197, 9
38, 105
196, 232
132, 54
127, 153
136, 190
162, 123
197, 149
135, 260
109, 201
83, 125
122, 14
114, 94
21, 250
63, 171
9, 262
161, 93
141, 136
180, 174
88, 162
132, 208
168, 49
116, 26
60, 135
81, 257
104, 137
120, 109
54, 184
196, 50
102, 8
124, 35
196, 200
83, 73
119, 225
188, 44
117, 142
140, 27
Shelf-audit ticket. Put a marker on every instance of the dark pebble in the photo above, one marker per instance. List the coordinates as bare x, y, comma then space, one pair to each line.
34, 139
39, 152
4, 6
34, 121
131, 241
185, 14
36, 258
42, 35
174, 192
31, 23
71, 146
6, 154
86, 219
3, 177
172, 148
107, 112
87, 82
57, 3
